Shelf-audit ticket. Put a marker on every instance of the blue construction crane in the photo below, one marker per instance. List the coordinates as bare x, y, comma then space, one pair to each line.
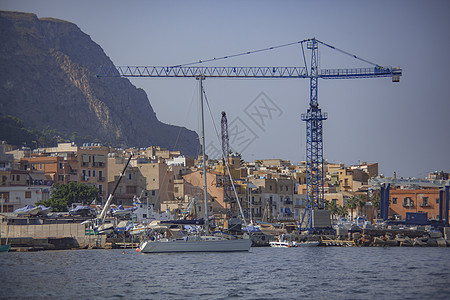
313, 117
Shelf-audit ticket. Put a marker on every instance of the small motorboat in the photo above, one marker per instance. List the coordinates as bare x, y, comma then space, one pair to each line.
44, 210
28, 210
282, 244
5, 248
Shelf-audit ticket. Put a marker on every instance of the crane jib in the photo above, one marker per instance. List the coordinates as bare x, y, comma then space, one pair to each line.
246, 72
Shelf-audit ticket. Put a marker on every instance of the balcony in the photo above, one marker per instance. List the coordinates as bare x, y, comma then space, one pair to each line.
408, 204
424, 204
101, 179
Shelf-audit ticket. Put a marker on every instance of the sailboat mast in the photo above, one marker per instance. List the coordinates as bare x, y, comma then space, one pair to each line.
205, 186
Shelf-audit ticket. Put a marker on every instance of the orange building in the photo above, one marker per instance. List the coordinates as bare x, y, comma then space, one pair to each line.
418, 200
58, 168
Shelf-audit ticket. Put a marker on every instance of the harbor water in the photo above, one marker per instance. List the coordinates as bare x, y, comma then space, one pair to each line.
262, 273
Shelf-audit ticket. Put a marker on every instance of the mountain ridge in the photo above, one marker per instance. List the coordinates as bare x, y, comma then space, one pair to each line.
49, 81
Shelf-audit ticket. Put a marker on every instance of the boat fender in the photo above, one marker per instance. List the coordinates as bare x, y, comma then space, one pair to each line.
138, 250
187, 238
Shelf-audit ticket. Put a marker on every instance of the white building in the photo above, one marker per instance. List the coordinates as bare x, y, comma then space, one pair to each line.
14, 197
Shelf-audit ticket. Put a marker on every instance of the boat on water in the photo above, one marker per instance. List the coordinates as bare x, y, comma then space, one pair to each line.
5, 248
281, 244
288, 244
173, 236
187, 236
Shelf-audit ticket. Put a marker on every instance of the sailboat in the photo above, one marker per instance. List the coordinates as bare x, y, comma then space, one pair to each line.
181, 235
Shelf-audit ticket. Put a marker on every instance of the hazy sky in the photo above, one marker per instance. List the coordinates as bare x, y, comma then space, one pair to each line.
402, 126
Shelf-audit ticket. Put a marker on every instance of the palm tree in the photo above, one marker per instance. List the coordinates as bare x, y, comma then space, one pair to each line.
352, 203
341, 210
332, 207
375, 200
361, 202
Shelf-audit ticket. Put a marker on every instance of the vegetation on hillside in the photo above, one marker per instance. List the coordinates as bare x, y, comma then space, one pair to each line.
12, 131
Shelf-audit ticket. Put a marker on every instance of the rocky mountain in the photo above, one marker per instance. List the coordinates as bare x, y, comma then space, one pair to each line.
48, 80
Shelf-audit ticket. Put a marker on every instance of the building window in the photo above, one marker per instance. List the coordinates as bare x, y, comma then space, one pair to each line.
394, 200
28, 195
270, 187
153, 193
281, 188
287, 188
407, 201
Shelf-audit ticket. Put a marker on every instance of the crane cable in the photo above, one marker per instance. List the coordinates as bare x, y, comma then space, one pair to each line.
349, 54
276, 47
240, 54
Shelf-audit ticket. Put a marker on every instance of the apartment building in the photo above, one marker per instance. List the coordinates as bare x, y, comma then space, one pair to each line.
132, 184
414, 200
92, 167
350, 180
59, 169
6, 160
191, 187
274, 199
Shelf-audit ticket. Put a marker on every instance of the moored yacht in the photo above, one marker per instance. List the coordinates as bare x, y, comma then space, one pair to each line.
173, 236
176, 236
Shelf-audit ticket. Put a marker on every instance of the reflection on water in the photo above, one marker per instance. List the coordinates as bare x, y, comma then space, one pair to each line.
263, 273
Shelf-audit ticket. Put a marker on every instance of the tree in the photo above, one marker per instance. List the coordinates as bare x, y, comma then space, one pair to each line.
63, 195
361, 202
375, 200
332, 207
341, 211
352, 203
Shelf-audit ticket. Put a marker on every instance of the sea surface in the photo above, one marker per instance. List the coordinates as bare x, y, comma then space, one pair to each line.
262, 273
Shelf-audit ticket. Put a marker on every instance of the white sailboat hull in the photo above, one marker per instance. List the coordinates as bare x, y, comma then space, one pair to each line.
186, 245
